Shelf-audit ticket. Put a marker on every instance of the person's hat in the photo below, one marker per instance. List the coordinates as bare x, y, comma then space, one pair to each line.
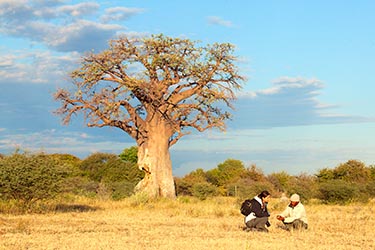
294, 197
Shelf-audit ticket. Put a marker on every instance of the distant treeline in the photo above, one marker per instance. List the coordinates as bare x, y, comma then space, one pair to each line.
27, 178
347, 182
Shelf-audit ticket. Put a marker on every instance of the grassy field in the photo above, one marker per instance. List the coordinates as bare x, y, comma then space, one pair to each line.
185, 223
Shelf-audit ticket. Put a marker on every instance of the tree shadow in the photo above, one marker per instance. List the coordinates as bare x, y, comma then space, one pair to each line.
66, 208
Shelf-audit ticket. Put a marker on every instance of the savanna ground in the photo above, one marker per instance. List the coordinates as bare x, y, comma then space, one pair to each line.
185, 223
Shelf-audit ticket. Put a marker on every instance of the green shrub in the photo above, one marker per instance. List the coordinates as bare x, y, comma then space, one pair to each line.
95, 164
337, 191
227, 172
112, 176
280, 181
80, 185
30, 178
370, 189
122, 189
204, 190
248, 188
304, 185
183, 187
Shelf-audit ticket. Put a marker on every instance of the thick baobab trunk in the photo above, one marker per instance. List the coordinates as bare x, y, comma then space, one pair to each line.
154, 160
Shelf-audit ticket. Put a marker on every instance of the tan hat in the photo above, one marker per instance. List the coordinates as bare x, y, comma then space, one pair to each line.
294, 197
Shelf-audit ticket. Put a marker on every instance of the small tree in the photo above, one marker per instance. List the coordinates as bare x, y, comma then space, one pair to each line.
94, 166
372, 172
337, 191
281, 181
121, 177
226, 173
305, 185
325, 174
29, 178
352, 171
185, 185
154, 89
112, 174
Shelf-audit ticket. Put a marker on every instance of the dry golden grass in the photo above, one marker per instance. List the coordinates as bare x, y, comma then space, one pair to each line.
183, 224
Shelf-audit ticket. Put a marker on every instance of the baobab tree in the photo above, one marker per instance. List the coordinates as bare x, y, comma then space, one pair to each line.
157, 89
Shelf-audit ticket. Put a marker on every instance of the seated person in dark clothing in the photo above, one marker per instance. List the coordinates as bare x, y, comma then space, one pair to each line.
257, 220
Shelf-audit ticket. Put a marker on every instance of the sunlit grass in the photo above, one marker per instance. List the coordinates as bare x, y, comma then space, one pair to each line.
185, 223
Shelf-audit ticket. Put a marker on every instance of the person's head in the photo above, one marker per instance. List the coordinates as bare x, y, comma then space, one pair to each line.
264, 196
294, 200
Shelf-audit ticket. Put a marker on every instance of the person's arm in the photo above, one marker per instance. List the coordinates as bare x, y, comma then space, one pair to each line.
284, 214
298, 213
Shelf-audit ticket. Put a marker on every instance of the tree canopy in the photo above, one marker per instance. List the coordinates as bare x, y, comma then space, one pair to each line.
126, 85
156, 89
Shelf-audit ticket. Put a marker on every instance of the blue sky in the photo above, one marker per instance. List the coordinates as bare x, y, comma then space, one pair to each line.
307, 102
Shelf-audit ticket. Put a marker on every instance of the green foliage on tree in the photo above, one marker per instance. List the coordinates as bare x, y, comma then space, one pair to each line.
226, 173
204, 190
122, 177
130, 154
354, 179
281, 181
30, 178
69, 162
304, 185
94, 166
370, 189
248, 188
251, 182
254, 173
337, 191
184, 186
372, 172
325, 174
352, 171
112, 174
231, 178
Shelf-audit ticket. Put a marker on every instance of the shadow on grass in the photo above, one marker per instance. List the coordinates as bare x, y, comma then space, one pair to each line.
65, 208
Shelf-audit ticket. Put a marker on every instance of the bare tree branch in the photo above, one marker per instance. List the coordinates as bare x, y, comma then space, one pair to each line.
136, 81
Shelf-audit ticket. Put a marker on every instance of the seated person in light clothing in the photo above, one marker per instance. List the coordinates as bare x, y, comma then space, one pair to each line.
294, 216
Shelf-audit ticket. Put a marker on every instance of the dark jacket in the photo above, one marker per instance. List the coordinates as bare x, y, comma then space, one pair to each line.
258, 209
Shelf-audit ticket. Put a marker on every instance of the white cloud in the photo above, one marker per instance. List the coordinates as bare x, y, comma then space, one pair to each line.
215, 20
8, 5
60, 27
41, 3
298, 80
56, 10
7, 61
53, 141
22, 10
36, 67
82, 36
290, 101
80, 9
120, 13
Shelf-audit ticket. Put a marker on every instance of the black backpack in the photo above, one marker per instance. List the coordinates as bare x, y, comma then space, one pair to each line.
246, 207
